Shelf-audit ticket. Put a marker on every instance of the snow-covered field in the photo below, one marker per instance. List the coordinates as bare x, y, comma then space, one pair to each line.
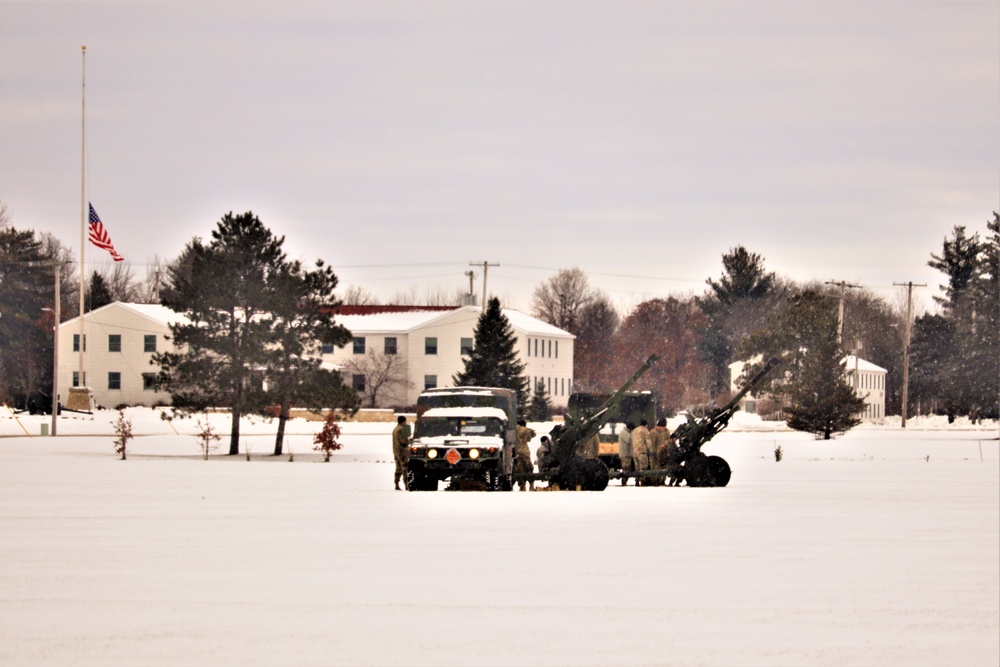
879, 548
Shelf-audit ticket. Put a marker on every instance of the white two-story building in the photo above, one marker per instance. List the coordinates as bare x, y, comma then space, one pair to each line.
119, 341
433, 344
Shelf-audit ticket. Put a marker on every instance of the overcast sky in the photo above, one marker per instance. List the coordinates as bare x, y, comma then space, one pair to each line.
399, 141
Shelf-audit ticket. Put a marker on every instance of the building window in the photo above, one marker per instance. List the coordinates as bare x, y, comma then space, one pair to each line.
149, 381
430, 345
114, 342
76, 342
430, 381
466, 347
550, 348
149, 343
326, 348
76, 376
390, 345
557, 349
359, 345
529, 347
358, 382
536, 347
114, 380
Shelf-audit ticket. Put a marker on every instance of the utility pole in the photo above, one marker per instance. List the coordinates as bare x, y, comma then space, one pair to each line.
840, 317
57, 314
486, 267
471, 275
906, 345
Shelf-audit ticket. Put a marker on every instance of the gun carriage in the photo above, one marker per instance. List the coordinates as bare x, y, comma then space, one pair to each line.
697, 468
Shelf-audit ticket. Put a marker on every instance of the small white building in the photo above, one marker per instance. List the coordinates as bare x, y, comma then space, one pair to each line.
119, 340
433, 344
867, 379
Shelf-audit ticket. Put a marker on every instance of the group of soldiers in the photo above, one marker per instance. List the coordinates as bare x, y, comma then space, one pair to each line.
638, 448
641, 449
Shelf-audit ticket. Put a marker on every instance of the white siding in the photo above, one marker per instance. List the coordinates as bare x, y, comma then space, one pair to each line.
130, 363
449, 328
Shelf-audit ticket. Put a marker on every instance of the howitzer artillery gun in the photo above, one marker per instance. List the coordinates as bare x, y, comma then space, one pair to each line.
699, 469
570, 470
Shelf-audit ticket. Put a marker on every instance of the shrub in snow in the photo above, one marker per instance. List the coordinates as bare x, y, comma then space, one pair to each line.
123, 428
326, 440
207, 437
778, 453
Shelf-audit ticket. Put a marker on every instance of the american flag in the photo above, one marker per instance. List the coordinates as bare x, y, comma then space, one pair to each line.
100, 237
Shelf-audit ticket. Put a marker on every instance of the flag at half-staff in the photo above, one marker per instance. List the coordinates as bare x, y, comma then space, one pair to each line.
99, 235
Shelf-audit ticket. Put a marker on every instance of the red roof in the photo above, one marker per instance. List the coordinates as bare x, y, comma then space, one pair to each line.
375, 310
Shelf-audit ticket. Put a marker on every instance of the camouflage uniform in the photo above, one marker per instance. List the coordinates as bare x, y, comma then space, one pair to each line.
658, 439
522, 461
400, 442
640, 447
625, 452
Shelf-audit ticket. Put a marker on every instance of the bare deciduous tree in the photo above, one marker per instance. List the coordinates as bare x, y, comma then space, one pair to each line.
359, 296
148, 290
559, 300
385, 375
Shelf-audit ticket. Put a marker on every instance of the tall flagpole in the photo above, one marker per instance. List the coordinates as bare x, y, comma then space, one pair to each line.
83, 198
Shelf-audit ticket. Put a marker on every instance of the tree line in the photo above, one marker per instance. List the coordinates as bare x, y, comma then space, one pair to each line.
749, 313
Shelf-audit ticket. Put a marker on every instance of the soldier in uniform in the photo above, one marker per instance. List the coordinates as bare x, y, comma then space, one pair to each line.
625, 450
640, 448
658, 439
546, 457
400, 442
522, 460
672, 462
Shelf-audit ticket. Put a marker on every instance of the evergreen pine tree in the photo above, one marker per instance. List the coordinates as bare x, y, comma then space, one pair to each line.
302, 320
227, 296
98, 292
821, 400
540, 409
736, 305
26, 287
814, 385
493, 361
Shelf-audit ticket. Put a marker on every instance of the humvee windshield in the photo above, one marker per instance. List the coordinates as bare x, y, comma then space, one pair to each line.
436, 427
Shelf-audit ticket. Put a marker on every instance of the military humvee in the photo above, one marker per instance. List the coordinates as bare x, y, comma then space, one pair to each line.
465, 435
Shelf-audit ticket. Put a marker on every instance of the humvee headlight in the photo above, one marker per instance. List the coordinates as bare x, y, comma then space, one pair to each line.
473, 453
432, 453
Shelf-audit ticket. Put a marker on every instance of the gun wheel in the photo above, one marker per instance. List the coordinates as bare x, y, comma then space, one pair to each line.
721, 473
707, 471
